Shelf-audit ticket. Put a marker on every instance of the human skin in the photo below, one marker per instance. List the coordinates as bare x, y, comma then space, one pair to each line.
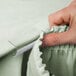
66, 15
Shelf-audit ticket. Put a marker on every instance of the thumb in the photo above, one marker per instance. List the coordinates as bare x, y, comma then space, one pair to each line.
56, 39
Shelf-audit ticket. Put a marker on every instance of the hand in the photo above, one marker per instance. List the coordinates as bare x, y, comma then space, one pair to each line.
64, 16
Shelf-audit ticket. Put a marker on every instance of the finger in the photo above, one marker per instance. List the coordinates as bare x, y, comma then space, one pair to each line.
56, 39
73, 23
73, 30
60, 17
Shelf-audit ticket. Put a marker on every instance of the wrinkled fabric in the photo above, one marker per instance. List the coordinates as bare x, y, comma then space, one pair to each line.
52, 61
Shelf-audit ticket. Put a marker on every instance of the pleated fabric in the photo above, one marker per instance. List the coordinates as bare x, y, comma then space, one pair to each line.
52, 61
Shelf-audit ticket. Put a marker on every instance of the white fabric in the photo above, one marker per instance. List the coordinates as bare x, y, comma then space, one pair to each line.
35, 66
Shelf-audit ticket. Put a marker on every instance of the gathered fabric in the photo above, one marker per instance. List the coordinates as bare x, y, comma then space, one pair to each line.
54, 60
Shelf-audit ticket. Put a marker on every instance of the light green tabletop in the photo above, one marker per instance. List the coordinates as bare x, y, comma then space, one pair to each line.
22, 20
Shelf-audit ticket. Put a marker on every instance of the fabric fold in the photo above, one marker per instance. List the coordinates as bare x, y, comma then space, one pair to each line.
52, 61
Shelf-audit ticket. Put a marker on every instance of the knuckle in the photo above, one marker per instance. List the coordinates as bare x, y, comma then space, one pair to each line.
63, 11
50, 17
